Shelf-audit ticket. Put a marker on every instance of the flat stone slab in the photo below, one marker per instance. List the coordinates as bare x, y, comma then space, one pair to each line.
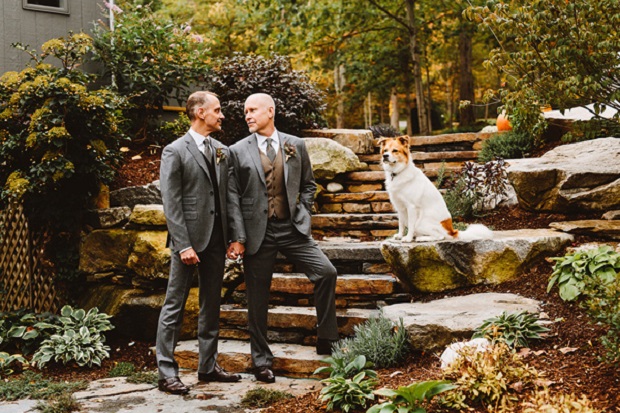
292, 360
355, 221
438, 323
595, 227
297, 318
348, 284
449, 264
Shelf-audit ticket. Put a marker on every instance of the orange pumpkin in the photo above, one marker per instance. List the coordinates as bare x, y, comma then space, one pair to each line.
503, 124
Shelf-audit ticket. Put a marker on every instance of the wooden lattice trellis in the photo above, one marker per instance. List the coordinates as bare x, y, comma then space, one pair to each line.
23, 280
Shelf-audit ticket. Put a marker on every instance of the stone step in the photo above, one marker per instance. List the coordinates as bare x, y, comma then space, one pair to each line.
370, 196
423, 157
294, 319
346, 284
355, 221
291, 360
448, 142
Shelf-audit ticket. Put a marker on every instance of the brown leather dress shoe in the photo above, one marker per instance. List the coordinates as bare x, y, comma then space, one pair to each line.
264, 374
172, 385
219, 374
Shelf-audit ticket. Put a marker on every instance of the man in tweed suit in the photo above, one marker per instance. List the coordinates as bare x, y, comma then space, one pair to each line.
194, 180
270, 198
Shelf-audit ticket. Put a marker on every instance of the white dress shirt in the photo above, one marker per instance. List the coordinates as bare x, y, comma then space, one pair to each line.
199, 139
262, 142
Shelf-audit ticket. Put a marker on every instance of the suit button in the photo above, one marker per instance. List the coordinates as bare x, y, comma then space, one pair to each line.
212, 212
265, 211
211, 193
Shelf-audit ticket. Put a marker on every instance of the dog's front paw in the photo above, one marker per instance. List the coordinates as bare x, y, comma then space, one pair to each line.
408, 238
398, 236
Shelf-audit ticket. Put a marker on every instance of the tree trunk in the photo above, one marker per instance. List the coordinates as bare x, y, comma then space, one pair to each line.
339, 82
466, 78
394, 110
417, 72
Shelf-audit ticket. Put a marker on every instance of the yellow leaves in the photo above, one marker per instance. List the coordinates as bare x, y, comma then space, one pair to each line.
16, 184
53, 46
10, 79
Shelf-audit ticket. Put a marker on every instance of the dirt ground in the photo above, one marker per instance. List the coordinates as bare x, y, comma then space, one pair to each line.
569, 356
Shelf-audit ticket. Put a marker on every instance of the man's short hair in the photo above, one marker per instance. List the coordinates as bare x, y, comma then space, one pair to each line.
195, 101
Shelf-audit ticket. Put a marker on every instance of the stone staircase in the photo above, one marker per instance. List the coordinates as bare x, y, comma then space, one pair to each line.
362, 211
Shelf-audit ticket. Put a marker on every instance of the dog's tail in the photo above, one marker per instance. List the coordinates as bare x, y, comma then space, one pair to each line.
475, 232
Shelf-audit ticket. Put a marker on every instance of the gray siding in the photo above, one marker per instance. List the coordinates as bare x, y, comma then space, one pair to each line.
34, 28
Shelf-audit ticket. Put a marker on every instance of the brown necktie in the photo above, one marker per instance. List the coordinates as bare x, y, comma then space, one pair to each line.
271, 153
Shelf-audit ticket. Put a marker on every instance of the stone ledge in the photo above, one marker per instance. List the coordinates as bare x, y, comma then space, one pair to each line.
446, 265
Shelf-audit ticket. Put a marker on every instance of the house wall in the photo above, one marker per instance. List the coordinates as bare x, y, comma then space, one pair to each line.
34, 28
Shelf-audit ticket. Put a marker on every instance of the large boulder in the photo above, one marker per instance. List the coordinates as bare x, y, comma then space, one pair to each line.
360, 141
134, 195
580, 177
329, 158
135, 312
438, 323
445, 265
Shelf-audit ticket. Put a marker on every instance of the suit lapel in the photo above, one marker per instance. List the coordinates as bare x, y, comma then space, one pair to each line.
198, 156
255, 155
282, 140
216, 148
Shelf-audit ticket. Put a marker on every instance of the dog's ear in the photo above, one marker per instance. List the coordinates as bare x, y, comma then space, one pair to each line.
404, 140
382, 141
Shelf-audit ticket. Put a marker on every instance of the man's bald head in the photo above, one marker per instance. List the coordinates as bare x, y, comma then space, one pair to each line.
260, 110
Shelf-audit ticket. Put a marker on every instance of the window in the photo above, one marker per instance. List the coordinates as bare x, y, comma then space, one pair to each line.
52, 6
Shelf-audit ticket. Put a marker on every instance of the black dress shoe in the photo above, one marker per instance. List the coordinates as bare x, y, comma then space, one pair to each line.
324, 346
219, 374
172, 385
264, 374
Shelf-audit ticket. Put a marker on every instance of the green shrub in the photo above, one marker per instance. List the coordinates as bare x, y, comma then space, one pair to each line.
20, 330
260, 397
152, 60
62, 403
7, 361
515, 329
573, 271
34, 386
384, 130
486, 378
79, 338
122, 369
59, 143
169, 131
347, 394
382, 342
506, 145
412, 398
299, 103
602, 304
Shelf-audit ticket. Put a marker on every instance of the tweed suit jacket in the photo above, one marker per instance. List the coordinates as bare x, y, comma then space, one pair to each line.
247, 194
188, 193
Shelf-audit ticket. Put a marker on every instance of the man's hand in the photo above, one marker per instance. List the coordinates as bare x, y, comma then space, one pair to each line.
189, 257
235, 250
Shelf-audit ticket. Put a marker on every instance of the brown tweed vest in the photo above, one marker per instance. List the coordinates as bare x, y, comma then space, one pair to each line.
277, 202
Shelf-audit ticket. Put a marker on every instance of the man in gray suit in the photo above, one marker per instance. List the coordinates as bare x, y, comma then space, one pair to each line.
194, 181
270, 197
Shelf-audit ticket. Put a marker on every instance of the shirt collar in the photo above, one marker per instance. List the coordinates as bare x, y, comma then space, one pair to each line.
262, 139
198, 138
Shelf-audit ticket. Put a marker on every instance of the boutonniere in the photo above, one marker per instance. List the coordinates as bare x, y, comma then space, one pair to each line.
220, 155
290, 151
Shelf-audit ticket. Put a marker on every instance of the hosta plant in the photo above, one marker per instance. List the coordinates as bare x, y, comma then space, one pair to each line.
348, 394
412, 398
7, 362
79, 338
21, 331
573, 271
515, 329
338, 367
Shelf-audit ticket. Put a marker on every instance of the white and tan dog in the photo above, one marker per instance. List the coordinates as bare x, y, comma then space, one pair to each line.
422, 211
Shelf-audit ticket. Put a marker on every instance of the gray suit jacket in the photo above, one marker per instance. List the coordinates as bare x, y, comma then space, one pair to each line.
187, 193
247, 194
